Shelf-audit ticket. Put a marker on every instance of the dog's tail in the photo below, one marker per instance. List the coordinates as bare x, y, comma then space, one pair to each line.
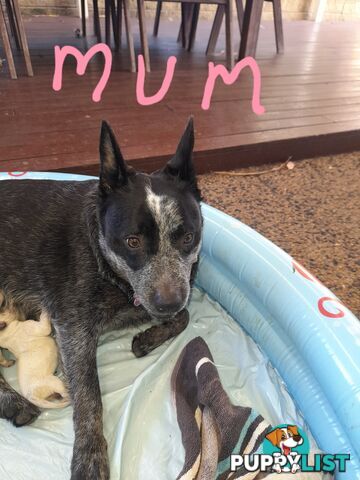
50, 393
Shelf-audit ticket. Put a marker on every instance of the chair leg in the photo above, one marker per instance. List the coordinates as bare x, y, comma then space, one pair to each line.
7, 46
107, 23
188, 12
251, 26
279, 34
97, 27
119, 20
157, 18
13, 25
114, 21
129, 35
181, 34
215, 29
83, 17
240, 14
23, 39
193, 26
229, 36
143, 34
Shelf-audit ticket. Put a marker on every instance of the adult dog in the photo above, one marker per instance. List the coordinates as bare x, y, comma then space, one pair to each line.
98, 255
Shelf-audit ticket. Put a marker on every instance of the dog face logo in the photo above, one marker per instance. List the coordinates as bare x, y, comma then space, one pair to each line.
286, 448
286, 439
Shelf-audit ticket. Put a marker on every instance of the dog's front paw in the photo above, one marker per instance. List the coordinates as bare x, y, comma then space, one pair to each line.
17, 409
141, 344
90, 461
144, 342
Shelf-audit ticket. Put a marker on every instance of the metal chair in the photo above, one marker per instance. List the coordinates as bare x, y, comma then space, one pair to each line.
251, 27
189, 23
113, 20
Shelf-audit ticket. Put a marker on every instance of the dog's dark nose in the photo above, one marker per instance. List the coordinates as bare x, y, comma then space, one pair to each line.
297, 438
168, 299
2, 325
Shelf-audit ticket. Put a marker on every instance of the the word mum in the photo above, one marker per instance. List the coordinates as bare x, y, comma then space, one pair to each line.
214, 71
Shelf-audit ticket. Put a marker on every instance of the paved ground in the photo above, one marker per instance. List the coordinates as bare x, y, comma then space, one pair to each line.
311, 211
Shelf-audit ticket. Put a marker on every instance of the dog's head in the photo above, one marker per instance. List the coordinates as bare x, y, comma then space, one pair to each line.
285, 438
150, 225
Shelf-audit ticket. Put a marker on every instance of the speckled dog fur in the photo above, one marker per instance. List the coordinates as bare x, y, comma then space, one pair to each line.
67, 247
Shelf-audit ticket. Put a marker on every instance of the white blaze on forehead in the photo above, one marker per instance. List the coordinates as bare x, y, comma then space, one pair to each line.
165, 211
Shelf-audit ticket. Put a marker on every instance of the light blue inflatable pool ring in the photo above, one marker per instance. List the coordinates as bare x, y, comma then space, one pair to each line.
310, 337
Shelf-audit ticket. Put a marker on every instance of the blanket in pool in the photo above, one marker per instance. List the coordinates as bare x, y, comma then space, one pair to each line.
140, 418
212, 428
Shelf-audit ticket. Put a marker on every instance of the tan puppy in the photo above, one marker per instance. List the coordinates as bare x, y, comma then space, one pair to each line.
37, 358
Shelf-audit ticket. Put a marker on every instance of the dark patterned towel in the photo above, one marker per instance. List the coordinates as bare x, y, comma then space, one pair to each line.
211, 427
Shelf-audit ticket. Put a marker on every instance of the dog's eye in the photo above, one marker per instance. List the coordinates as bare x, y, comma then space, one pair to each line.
188, 238
133, 242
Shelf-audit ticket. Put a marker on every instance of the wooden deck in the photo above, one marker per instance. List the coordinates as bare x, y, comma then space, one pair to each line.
311, 95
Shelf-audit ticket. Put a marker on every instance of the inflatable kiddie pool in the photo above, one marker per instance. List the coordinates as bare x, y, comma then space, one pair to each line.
310, 339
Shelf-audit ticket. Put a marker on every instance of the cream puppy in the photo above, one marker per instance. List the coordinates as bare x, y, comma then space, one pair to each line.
37, 358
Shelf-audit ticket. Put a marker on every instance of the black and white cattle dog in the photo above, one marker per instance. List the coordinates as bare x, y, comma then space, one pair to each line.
99, 255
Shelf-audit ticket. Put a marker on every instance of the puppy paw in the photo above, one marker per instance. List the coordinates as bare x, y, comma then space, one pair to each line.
17, 410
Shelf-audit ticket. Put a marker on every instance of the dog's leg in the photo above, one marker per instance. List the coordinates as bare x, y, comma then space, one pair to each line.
153, 337
14, 407
126, 317
77, 342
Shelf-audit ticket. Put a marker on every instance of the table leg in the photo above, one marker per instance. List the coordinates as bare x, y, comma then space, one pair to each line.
143, 34
129, 35
279, 34
7, 46
83, 17
251, 26
23, 39
215, 29
97, 27
229, 35
157, 18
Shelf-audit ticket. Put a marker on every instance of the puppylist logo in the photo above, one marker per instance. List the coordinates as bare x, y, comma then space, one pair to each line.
286, 449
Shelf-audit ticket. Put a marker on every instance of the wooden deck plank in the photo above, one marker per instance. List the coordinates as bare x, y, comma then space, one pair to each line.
307, 96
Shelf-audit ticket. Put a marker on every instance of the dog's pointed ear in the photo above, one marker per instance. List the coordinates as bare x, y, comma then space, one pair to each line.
113, 169
274, 437
293, 429
181, 165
